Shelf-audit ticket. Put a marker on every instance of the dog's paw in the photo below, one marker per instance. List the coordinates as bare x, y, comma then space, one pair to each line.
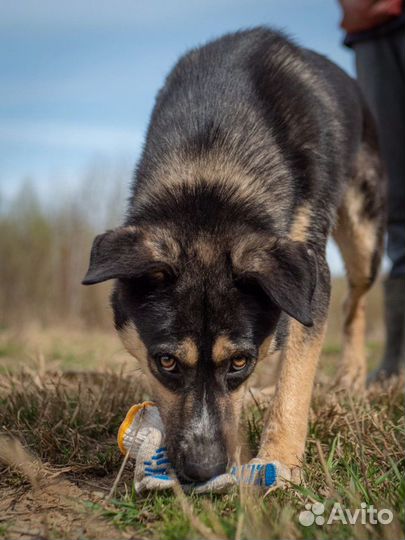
351, 381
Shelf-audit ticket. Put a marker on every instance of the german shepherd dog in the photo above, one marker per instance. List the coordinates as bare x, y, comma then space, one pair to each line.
257, 150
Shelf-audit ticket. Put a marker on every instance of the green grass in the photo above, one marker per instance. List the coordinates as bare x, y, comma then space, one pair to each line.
362, 444
70, 424
161, 515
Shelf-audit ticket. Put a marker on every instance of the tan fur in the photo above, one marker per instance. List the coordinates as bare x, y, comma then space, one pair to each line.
284, 435
135, 346
247, 252
161, 245
231, 408
362, 232
204, 248
353, 368
187, 352
223, 168
301, 223
356, 237
223, 348
265, 348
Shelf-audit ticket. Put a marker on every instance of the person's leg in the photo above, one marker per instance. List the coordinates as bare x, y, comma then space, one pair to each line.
380, 67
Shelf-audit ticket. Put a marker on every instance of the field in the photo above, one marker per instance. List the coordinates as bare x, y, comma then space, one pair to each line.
64, 391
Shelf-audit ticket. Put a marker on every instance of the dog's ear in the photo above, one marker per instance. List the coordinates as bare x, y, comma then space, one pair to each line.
285, 270
128, 252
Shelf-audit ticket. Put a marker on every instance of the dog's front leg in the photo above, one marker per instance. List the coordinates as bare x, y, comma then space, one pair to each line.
285, 430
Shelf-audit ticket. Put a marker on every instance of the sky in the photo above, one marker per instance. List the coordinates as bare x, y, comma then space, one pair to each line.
78, 78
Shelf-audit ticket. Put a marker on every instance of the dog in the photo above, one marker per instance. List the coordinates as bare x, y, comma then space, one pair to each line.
257, 151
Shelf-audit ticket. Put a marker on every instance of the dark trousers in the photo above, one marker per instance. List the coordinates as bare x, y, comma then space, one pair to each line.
380, 64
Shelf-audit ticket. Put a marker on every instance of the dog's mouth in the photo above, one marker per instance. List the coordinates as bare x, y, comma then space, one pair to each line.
191, 471
197, 466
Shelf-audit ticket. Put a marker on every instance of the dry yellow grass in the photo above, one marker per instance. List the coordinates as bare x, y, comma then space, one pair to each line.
65, 389
68, 424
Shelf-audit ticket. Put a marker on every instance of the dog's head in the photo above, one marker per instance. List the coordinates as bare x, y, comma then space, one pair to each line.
199, 313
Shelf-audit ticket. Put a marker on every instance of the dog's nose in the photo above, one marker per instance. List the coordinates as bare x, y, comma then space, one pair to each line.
201, 472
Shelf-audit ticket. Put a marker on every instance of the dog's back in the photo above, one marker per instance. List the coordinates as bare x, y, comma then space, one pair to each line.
268, 122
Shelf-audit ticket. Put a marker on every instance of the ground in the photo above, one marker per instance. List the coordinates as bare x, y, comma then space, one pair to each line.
64, 392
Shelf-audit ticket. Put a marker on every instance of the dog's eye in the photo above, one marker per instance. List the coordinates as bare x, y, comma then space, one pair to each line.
238, 363
167, 362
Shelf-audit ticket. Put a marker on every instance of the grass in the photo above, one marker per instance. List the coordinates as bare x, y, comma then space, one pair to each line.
64, 392
66, 384
69, 421
354, 455
362, 445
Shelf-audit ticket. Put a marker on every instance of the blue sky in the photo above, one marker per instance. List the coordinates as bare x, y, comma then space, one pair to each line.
78, 78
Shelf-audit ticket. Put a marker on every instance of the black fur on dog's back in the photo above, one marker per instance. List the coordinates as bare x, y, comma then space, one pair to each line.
286, 117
